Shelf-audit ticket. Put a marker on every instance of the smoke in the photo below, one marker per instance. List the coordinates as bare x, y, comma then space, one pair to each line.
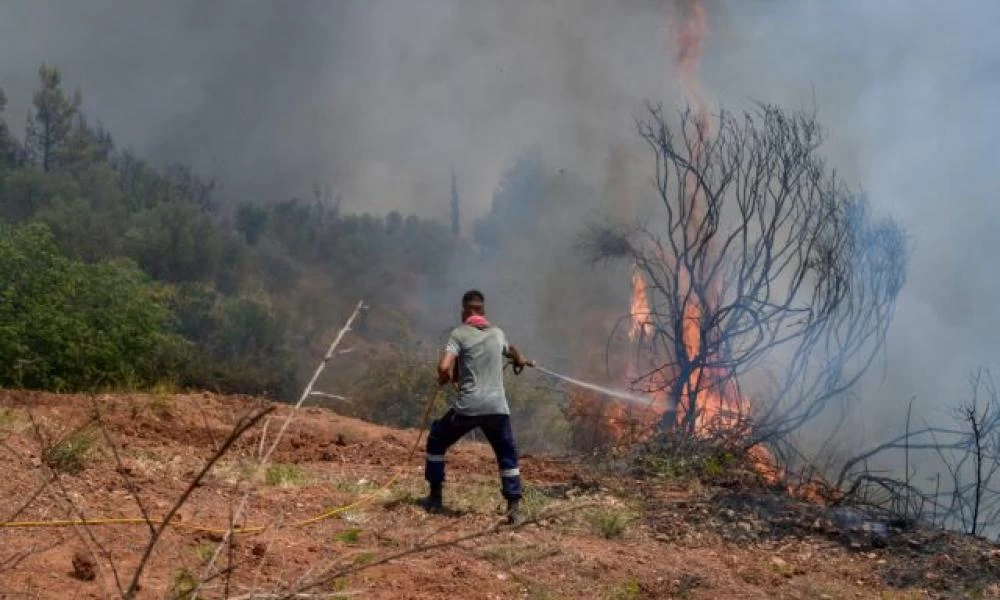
382, 99
908, 93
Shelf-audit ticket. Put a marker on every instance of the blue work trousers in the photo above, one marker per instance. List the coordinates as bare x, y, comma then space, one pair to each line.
452, 426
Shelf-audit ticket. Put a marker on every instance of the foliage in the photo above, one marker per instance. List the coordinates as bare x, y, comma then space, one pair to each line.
282, 474
760, 253
679, 456
183, 585
630, 589
239, 342
539, 421
245, 296
395, 388
69, 455
349, 536
610, 523
204, 551
50, 127
65, 325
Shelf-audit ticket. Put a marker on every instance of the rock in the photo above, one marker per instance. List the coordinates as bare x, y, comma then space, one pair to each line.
84, 567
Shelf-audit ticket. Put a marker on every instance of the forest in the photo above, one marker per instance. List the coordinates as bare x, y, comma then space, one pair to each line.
121, 275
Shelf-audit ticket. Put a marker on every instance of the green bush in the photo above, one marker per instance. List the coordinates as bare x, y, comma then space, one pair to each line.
395, 388
69, 455
284, 475
349, 536
69, 326
610, 523
539, 421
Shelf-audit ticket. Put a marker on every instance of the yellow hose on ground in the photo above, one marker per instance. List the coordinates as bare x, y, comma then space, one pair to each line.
255, 529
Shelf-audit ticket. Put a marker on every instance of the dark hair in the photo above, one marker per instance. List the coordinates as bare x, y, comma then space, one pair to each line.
473, 296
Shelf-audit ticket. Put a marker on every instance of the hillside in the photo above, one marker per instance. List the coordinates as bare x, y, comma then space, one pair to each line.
592, 533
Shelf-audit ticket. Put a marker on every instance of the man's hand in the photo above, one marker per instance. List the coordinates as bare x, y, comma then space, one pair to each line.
518, 360
445, 368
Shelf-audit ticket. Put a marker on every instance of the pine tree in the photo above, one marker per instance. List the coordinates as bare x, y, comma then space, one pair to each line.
51, 126
8, 145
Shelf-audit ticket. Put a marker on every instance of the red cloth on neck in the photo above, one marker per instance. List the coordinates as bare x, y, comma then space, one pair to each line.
477, 321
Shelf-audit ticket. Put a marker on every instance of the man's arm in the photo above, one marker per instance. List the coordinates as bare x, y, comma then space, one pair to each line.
519, 359
445, 367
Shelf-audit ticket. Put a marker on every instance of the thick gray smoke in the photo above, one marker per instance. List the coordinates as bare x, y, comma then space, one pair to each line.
381, 99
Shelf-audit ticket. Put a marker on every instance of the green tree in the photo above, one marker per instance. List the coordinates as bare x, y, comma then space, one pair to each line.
51, 124
66, 326
395, 388
240, 342
8, 145
251, 220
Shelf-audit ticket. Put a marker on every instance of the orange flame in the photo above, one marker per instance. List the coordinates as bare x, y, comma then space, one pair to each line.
640, 311
712, 392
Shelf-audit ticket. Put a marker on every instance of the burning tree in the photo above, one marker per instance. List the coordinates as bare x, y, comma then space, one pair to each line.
763, 256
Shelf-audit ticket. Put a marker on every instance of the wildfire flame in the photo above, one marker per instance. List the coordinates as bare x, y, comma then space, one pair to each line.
712, 392
707, 392
640, 311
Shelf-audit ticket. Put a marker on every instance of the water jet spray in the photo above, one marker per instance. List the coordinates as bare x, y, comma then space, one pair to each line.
619, 394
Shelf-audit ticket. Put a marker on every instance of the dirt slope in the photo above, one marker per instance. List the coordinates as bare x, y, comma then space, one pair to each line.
592, 536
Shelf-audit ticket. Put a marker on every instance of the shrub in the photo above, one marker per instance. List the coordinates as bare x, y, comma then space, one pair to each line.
349, 536
69, 455
396, 388
687, 456
183, 585
610, 523
69, 326
284, 475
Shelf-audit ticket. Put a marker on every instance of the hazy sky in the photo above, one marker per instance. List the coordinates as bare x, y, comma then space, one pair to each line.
379, 98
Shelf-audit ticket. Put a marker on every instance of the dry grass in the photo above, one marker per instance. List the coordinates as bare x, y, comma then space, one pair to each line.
610, 523
69, 455
284, 475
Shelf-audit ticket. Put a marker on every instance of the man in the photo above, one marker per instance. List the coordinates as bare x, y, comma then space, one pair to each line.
473, 359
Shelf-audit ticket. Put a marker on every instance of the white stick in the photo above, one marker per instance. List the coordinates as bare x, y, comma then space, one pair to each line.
284, 426
263, 435
326, 395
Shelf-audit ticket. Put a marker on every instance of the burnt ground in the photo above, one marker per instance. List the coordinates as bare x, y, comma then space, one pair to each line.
592, 534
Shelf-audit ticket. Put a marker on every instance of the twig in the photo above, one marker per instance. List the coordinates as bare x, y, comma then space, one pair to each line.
496, 527
99, 418
238, 430
281, 432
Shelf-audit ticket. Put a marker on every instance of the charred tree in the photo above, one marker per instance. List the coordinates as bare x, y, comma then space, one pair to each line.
761, 255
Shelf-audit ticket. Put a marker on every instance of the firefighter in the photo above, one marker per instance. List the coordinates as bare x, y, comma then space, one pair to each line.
473, 360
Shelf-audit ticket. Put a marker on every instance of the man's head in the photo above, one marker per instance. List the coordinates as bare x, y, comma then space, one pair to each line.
473, 303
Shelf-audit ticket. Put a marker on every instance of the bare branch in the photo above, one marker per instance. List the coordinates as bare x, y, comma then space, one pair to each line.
239, 429
762, 255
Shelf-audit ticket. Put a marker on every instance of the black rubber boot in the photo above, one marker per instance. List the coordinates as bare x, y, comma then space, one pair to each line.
514, 515
433, 503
